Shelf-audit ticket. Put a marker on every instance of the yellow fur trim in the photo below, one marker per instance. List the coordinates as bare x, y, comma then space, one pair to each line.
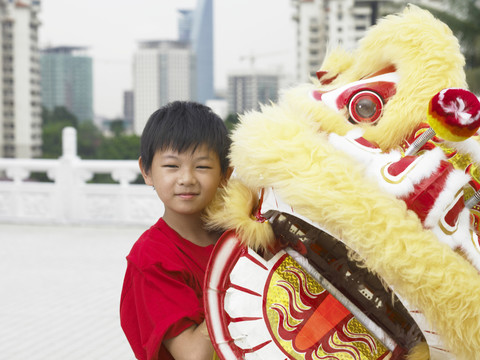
337, 61
233, 210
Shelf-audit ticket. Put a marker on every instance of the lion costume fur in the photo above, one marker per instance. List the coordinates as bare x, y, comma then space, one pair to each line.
285, 146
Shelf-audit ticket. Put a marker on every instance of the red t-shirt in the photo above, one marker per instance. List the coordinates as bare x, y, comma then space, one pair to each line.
162, 291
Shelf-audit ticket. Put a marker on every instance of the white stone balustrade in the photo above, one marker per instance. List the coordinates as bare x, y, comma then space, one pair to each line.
69, 199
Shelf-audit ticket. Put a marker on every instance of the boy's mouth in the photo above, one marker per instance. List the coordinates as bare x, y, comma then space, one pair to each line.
187, 195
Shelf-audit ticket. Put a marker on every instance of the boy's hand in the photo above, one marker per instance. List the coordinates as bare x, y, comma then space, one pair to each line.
192, 344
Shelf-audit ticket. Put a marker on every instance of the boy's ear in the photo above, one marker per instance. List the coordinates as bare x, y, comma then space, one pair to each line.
227, 176
146, 176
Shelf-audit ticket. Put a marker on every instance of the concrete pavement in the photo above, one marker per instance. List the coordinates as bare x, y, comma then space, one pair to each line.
60, 290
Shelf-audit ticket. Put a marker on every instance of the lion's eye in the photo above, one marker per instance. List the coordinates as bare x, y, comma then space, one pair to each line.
365, 107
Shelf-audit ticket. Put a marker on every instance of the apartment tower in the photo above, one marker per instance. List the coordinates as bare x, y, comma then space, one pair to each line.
20, 93
248, 90
163, 71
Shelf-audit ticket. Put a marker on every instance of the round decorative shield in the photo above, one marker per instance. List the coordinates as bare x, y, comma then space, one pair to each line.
279, 309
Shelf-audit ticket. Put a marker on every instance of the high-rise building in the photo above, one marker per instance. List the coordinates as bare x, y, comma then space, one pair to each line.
67, 80
185, 23
310, 16
128, 109
324, 23
163, 71
248, 90
20, 96
201, 38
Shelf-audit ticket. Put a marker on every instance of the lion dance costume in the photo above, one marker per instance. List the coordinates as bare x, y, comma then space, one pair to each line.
353, 215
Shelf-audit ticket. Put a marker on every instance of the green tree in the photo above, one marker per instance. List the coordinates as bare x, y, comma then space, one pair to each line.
473, 77
53, 123
89, 140
117, 127
121, 147
231, 121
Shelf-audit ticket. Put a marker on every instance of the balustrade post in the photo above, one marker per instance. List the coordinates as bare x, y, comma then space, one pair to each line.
66, 179
69, 143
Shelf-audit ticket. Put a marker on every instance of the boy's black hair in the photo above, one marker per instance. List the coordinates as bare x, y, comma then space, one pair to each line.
181, 126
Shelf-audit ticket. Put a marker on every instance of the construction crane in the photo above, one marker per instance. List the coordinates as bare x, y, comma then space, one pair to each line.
252, 58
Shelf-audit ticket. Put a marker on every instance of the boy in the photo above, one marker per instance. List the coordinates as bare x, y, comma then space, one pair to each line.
184, 156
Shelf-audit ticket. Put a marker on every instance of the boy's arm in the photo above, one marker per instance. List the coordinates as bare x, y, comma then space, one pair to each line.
192, 344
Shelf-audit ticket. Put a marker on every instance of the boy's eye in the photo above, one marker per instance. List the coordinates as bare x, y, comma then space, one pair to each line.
204, 167
169, 166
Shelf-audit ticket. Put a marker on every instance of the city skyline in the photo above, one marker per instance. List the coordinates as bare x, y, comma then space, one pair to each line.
245, 33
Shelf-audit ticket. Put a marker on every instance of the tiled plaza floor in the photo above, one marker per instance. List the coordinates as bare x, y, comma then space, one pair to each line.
60, 289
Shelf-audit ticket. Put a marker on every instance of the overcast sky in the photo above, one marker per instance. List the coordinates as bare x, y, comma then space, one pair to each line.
112, 28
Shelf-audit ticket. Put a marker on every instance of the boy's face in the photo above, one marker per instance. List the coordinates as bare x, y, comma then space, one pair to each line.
186, 182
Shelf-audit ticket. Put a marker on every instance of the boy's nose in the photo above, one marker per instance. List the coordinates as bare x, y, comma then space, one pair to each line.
186, 177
